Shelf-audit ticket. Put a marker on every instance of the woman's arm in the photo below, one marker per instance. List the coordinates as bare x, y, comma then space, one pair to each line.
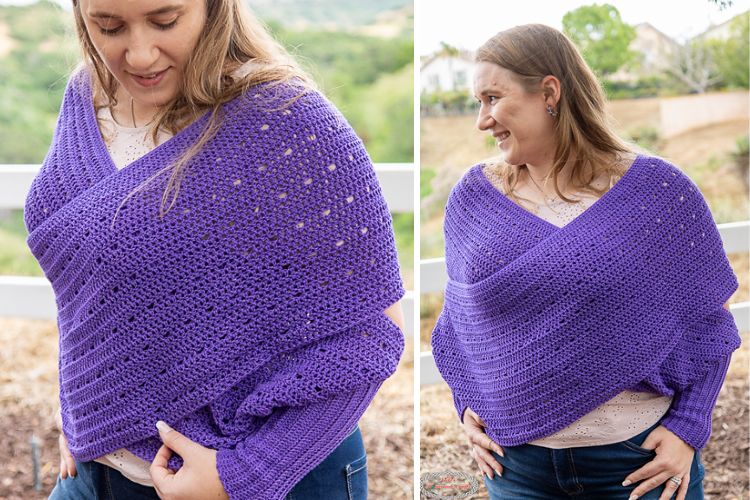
689, 416
263, 466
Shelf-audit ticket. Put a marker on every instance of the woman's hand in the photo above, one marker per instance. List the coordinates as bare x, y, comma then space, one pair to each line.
67, 462
674, 457
197, 478
481, 444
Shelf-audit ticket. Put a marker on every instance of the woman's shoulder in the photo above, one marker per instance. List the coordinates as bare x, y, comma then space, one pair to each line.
650, 161
660, 166
467, 186
77, 88
76, 98
292, 104
479, 174
289, 128
662, 177
80, 81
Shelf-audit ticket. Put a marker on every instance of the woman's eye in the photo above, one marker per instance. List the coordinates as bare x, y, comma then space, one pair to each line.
166, 26
110, 31
491, 99
161, 26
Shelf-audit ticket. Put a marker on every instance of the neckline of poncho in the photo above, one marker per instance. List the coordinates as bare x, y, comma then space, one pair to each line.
172, 146
495, 194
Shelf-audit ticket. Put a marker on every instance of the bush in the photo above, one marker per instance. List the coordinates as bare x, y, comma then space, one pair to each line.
425, 181
652, 86
646, 137
450, 102
732, 55
741, 157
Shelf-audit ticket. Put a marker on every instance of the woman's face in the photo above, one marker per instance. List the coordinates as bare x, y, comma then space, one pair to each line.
517, 119
145, 43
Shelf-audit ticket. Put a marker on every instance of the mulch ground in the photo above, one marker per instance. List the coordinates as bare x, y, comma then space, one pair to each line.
28, 401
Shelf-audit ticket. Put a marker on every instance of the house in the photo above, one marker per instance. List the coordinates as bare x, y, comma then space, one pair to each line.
721, 31
654, 50
447, 71
657, 51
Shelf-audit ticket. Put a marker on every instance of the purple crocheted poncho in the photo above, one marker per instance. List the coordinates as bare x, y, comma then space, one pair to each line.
250, 318
542, 324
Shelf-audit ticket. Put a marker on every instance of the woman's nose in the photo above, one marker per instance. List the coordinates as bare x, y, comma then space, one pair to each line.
484, 120
141, 54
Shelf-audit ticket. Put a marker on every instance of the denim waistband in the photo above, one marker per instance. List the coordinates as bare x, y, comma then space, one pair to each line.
353, 430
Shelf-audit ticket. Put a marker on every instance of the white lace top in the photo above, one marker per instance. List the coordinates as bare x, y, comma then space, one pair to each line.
628, 413
126, 144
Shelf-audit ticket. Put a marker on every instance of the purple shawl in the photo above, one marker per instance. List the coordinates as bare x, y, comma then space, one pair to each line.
542, 324
250, 318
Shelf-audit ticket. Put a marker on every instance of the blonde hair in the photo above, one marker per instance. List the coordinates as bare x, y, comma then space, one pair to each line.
583, 134
231, 37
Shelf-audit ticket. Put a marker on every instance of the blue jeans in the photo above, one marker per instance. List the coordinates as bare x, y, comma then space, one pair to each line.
342, 475
588, 472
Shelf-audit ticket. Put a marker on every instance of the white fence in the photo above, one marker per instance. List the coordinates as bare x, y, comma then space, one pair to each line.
734, 235
32, 297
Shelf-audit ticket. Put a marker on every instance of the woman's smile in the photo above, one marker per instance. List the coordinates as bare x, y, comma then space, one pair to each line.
501, 137
149, 80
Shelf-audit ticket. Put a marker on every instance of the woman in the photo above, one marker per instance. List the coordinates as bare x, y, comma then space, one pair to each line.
582, 333
257, 314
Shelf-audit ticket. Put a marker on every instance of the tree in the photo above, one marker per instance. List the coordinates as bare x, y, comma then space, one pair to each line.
732, 56
704, 63
722, 4
694, 66
448, 50
601, 36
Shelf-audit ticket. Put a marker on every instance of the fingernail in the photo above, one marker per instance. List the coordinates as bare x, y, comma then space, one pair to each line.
163, 427
626, 482
632, 497
498, 473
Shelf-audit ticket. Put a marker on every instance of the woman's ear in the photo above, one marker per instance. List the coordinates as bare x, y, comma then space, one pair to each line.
551, 90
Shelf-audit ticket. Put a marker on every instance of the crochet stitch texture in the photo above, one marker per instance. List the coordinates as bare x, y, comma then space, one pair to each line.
540, 324
250, 318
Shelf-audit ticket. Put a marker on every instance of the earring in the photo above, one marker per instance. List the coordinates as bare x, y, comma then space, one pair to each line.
551, 111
